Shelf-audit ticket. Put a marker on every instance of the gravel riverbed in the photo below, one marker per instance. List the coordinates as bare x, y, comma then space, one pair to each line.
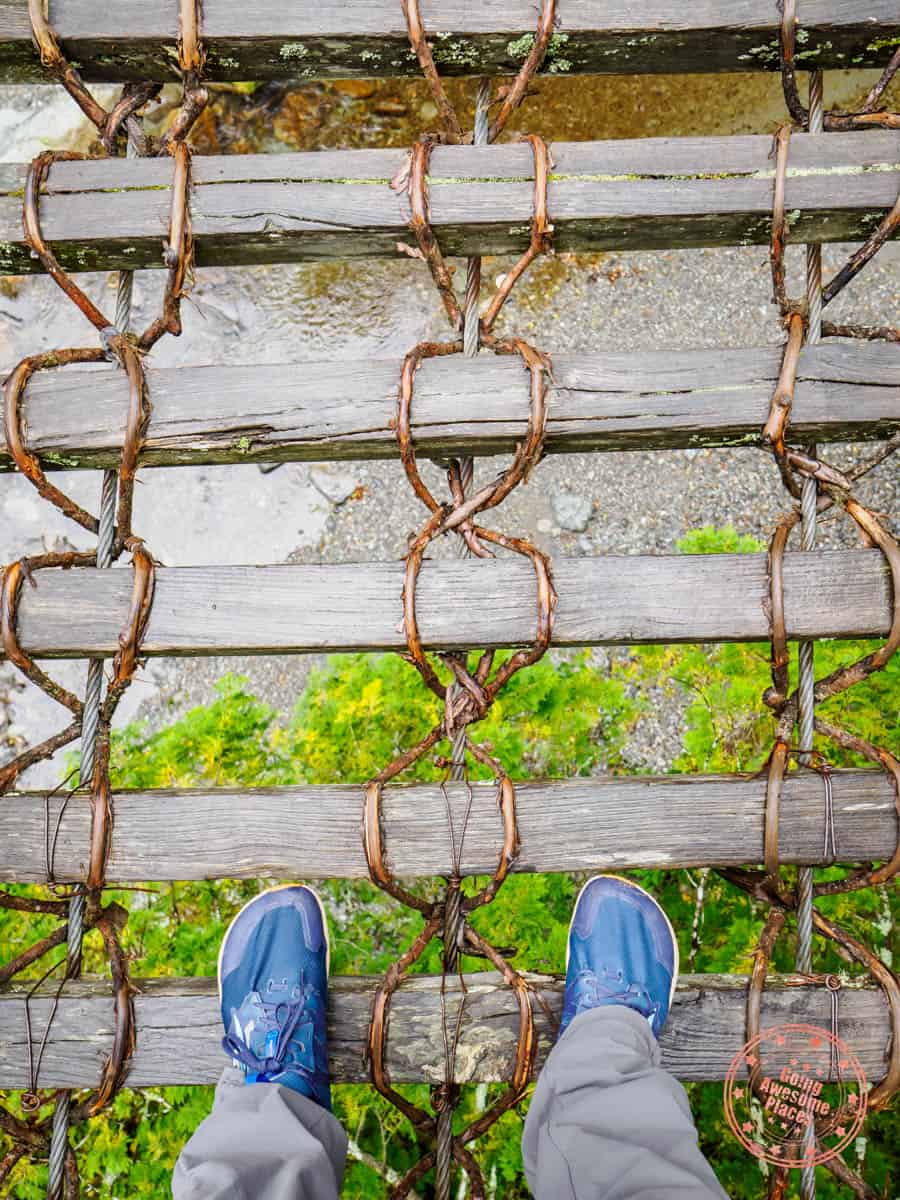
626, 503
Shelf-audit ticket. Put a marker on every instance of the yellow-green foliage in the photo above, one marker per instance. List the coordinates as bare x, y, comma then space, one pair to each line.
569, 715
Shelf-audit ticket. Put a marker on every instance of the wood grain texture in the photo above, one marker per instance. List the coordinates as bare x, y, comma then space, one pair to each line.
644, 194
343, 410
597, 824
266, 40
606, 600
180, 1029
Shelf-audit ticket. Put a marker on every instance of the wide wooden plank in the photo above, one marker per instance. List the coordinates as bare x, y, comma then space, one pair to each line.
267, 40
565, 825
343, 410
180, 1029
357, 606
642, 194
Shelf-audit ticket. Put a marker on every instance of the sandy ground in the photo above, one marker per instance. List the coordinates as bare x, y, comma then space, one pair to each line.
639, 503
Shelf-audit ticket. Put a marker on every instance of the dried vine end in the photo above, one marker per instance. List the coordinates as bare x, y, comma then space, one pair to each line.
43, 36
191, 55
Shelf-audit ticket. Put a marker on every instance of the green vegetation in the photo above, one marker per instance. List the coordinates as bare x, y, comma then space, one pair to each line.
569, 715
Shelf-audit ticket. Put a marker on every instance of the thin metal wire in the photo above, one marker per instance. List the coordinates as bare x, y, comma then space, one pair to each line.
806, 659
59, 1140
473, 267
453, 903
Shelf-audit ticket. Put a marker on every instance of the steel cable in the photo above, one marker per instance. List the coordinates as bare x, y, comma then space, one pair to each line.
59, 1140
806, 656
453, 915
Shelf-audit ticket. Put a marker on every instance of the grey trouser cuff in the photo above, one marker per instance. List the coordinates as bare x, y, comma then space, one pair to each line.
262, 1141
607, 1123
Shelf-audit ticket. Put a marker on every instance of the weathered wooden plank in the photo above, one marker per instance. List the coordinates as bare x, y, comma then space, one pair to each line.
565, 825
643, 194
356, 606
343, 410
180, 1030
267, 40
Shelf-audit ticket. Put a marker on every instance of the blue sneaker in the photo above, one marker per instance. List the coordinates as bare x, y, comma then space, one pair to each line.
273, 988
622, 950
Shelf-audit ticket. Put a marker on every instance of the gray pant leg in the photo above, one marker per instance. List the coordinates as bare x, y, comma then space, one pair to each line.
262, 1142
607, 1123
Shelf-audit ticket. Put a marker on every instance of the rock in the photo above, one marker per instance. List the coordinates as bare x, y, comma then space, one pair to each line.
357, 89
544, 525
572, 511
390, 108
336, 486
586, 544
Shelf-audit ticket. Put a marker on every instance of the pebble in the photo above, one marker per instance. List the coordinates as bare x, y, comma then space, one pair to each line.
390, 108
357, 89
336, 486
571, 510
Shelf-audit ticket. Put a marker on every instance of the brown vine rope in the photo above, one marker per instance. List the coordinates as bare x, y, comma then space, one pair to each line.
31, 1134
835, 489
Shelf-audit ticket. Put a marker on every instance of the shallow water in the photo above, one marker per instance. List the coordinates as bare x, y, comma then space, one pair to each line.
317, 310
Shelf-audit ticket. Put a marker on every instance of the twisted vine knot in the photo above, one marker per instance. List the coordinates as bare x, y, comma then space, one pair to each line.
832, 489
473, 690
37, 1134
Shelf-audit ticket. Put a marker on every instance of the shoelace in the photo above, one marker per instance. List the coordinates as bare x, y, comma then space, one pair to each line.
590, 991
293, 1012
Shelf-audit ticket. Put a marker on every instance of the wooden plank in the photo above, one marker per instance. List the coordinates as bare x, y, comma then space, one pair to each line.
268, 40
180, 1029
643, 194
596, 824
343, 410
605, 600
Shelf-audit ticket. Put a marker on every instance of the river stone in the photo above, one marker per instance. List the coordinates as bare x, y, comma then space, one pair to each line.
336, 486
571, 510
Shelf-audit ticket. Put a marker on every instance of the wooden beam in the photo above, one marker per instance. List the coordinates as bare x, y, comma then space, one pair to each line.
268, 40
644, 194
565, 825
607, 600
343, 410
180, 1029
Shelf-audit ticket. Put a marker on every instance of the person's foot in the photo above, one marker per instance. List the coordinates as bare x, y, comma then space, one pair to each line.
622, 950
273, 988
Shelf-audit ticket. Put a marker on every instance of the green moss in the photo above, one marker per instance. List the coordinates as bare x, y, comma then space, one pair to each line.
242, 445
815, 52
769, 53
554, 62
369, 56
291, 51
885, 43
521, 47
454, 54
60, 460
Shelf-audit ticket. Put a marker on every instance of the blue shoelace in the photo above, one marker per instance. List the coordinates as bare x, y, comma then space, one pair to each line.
285, 1016
591, 991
